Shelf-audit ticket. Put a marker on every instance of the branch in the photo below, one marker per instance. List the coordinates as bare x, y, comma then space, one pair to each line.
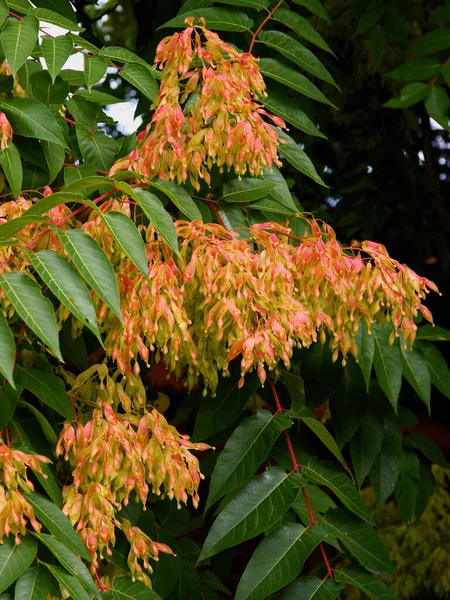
269, 16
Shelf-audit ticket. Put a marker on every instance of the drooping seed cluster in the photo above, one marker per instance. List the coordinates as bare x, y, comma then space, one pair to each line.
206, 112
225, 298
117, 455
15, 509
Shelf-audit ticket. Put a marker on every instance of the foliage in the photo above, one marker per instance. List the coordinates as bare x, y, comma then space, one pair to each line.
106, 290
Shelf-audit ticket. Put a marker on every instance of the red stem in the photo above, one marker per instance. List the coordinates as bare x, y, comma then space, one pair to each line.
296, 470
269, 16
216, 212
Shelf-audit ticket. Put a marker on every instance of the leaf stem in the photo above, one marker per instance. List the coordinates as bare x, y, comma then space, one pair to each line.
295, 466
269, 16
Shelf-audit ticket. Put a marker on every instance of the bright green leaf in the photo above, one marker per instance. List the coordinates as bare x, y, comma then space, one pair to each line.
278, 560
69, 582
142, 79
93, 264
359, 538
7, 350
47, 387
15, 559
246, 190
297, 53
218, 19
33, 119
56, 51
97, 148
179, 197
34, 584
125, 589
63, 281
18, 40
55, 18
246, 449
94, 68
312, 588
365, 581
386, 468
256, 506
31, 306
128, 237
290, 77
298, 159
58, 524
159, 217
288, 109
11, 164
301, 27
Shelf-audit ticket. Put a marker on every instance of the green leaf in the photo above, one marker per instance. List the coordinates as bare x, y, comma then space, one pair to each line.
21, 6
308, 417
433, 333
4, 11
360, 539
315, 7
441, 14
439, 371
426, 446
34, 584
55, 156
63, 281
417, 69
301, 27
312, 588
416, 372
278, 560
255, 507
142, 79
31, 306
218, 19
179, 197
7, 350
10, 228
69, 582
298, 159
48, 202
56, 51
366, 351
47, 429
58, 524
370, 17
97, 96
55, 18
246, 449
365, 446
365, 581
290, 77
93, 264
69, 561
297, 53
409, 95
280, 191
270, 205
386, 468
124, 589
15, 559
246, 190
12, 167
47, 92
128, 237
256, 4
94, 68
347, 406
214, 416
8, 401
296, 388
117, 53
431, 42
288, 109
73, 77
388, 363
377, 44
33, 119
18, 40
61, 6
47, 387
437, 105
407, 488
97, 148
329, 475
159, 217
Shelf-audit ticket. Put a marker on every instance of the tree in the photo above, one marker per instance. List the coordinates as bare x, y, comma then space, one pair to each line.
137, 265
